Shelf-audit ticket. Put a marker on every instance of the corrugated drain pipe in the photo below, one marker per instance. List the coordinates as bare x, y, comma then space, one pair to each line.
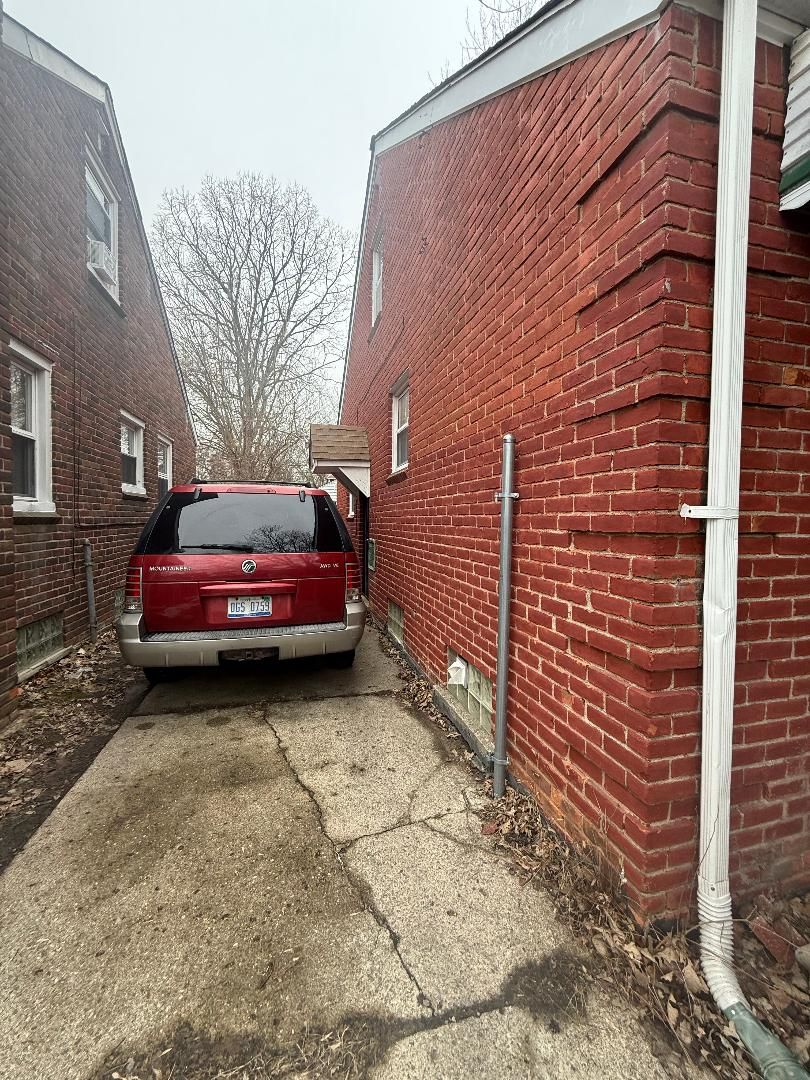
772, 1058
507, 498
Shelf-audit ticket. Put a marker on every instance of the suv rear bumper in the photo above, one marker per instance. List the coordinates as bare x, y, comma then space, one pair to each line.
205, 648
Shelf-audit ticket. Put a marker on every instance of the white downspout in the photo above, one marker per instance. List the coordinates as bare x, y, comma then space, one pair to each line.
721, 514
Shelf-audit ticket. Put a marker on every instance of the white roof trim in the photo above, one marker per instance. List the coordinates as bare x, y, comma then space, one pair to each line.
21, 40
27, 44
567, 31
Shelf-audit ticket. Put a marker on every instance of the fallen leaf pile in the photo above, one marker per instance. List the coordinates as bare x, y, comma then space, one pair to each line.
660, 971
64, 716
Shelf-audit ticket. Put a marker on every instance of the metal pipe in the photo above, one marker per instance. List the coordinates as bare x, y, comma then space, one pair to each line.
91, 592
721, 514
506, 497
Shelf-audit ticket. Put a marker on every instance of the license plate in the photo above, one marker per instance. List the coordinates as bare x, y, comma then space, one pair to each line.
250, 607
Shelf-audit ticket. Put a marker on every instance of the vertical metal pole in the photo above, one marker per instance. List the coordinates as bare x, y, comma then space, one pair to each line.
506, 497
91, 592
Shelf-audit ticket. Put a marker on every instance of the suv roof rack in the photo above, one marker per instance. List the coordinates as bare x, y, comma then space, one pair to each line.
268, 483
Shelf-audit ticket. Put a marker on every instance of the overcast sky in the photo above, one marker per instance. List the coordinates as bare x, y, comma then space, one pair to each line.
294, 89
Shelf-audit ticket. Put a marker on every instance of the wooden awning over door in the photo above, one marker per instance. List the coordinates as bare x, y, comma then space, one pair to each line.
342, 451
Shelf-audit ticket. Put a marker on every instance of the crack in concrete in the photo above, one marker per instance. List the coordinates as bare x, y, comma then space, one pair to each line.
258, 704
357, 882
347, 844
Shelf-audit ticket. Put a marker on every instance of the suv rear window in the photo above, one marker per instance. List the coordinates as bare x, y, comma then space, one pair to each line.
195, 523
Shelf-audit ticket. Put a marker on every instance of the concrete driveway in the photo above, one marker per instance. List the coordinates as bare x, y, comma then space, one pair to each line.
284, 871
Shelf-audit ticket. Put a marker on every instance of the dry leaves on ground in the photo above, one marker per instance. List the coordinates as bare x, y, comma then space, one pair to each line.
64, 717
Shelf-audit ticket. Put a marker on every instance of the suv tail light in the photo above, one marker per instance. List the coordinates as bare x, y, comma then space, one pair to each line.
133, 594
352, 578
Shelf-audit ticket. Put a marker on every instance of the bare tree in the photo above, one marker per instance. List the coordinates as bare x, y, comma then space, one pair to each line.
490, 21
496, 18
257, 286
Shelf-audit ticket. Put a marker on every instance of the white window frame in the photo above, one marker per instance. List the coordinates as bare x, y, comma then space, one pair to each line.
376, 279
399, 391
351, 506
163, 441
138, 426
95, 176
37, 366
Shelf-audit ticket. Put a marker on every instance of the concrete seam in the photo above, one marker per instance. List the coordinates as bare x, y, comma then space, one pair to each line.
359, 885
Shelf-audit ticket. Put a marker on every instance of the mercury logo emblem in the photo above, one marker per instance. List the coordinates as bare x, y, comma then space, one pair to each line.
248, 566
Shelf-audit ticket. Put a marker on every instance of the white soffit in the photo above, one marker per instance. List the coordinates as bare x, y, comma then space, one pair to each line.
355, 478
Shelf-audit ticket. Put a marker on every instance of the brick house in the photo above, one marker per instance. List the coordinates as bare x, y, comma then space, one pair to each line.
538, 257
93, 414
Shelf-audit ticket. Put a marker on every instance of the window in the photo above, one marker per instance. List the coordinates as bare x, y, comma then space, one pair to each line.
396, 622
38, 642
30, 430
351, 505
376, 279
131, 455
164, 457
255, 523
475, 697
102, 225
400, 407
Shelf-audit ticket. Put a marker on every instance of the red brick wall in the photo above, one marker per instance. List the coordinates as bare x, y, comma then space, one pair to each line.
105, 357
548, 271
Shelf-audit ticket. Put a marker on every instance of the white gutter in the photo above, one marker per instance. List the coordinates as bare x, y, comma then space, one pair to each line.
721, 515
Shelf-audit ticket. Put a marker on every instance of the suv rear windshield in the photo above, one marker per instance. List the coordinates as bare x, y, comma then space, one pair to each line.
259, 523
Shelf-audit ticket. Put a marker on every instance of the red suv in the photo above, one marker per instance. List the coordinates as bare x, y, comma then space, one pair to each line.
241, 571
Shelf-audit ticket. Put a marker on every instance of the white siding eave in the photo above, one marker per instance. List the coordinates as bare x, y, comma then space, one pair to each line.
796, 146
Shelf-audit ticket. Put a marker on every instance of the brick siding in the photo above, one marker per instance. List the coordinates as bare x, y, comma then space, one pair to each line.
548, 266
106, 357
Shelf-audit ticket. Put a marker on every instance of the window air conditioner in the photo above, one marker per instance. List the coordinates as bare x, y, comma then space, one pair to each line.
102, 260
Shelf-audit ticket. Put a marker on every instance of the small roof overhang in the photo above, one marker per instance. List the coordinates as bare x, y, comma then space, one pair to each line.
342, 452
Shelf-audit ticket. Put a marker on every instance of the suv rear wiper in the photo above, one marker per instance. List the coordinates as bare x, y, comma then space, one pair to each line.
215, 547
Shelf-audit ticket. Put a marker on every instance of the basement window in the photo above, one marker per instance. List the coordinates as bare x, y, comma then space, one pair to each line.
132, 455
396, 622
38, 642
475, 698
